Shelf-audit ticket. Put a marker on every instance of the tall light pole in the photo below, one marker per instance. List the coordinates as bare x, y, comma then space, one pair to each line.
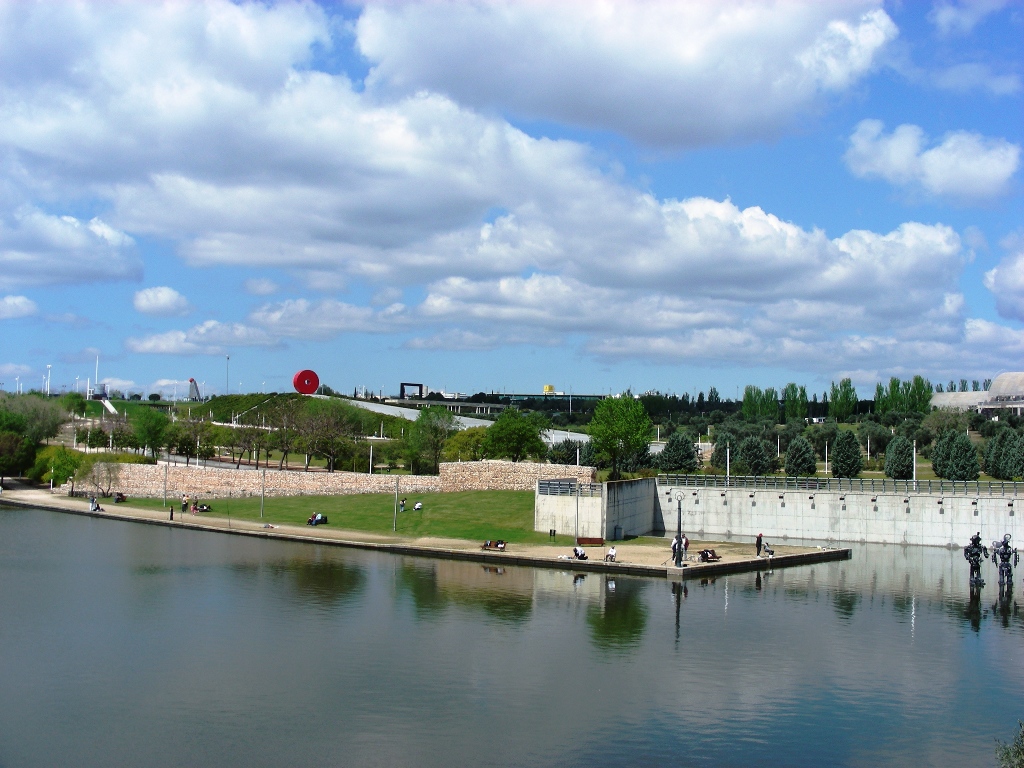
679, 529
48, 380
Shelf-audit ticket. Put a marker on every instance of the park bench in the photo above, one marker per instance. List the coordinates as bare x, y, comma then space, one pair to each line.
494, 546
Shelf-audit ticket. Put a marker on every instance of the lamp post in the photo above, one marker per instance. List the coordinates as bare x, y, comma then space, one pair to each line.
48, 380
679, 529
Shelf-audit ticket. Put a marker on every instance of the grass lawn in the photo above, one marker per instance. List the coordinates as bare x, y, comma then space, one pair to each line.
469, 515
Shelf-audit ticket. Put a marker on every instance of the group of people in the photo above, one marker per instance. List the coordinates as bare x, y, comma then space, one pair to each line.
680, 543
417, 506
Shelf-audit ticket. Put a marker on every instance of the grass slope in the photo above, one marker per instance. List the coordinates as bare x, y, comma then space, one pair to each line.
465, 515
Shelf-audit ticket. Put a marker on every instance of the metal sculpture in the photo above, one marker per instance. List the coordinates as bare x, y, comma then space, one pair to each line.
974, 553
1002, 555
306, 382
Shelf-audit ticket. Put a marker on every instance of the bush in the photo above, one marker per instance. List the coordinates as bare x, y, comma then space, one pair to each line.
962, 459
800, 459
680, 453
63, 461
899, 459
754, 457
846, 458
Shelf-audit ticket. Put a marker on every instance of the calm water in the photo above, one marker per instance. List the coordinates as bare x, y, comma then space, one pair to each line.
127, 644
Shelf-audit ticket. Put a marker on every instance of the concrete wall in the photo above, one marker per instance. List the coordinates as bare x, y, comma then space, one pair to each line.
630, 504
559, 512
147, 480
825, 516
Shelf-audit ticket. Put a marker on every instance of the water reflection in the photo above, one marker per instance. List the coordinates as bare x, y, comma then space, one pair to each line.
327, 582
435, 585
618, 622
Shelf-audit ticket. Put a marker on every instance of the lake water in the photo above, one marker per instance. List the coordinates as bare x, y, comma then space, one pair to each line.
128, 644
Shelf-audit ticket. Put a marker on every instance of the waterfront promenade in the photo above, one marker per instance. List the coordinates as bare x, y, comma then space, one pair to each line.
642, 557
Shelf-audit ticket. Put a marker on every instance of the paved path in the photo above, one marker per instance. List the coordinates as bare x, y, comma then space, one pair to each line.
649, 557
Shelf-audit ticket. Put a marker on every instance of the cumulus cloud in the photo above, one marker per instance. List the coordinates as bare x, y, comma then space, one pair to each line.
208, 338
456, 339
961, 17
260, 286
1006, 282
14, 369
666, 73
963, 78
16, 306
300, 318
115, 383
38, 248
160, 301
965, 166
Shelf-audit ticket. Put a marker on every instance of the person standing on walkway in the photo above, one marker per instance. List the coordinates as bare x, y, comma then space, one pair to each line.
686, 545
758, 542
184, 503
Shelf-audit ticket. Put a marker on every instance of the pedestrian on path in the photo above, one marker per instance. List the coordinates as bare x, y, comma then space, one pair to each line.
184, 503
686, 545
757, 543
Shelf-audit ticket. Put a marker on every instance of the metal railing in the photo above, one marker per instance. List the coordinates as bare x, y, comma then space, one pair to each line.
567, 488
853, 485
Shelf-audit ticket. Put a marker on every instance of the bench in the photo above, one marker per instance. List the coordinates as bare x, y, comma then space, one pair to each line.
585, 541
494, 546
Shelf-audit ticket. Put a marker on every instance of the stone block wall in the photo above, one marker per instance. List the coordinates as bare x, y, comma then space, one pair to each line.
147, 481
492, 475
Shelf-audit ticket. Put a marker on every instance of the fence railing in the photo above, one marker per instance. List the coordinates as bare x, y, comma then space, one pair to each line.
567, 488
853, 485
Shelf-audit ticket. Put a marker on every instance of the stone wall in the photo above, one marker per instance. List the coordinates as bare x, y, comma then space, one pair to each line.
507, 475
146, 480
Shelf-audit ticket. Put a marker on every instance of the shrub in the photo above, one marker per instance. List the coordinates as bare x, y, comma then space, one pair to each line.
846, 458
899, 459
680, 453
800, 459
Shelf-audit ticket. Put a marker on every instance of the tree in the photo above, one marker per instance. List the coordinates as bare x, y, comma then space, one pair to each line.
842, 400
794, 401
516, 435
940, 453
962, 459
714, 399
149, 425
680, 453
754, 456
467, 445
565, 451
821, 435
65, 465
154, 397
846, 459
433, 426
800, 459
17, 453
899, 459
1011, 462
1012, 755
620, 428
873, 433
73, 403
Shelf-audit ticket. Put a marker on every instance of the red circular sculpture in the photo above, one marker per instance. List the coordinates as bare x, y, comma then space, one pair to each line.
306, 382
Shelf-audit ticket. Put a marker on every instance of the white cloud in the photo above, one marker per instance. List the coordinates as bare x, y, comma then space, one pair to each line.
963, 78
260, 286
208, 338
14, 369
666, 73
456, 339
960, 18
1006, 281
965, 166
114, 383
38, 248
16, 306
160, 301
299, 318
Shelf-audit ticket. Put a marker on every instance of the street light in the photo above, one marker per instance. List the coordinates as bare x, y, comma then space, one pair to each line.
679, 529
48, 380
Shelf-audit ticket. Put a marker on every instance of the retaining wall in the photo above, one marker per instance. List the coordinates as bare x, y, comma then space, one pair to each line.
147, 480
924, 519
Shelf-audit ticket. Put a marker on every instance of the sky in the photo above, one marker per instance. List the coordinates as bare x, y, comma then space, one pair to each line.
495, 196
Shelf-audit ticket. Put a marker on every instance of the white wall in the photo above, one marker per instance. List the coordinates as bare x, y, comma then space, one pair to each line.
559, 512
743, 513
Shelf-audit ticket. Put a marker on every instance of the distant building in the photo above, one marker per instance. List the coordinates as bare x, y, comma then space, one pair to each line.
1005, 395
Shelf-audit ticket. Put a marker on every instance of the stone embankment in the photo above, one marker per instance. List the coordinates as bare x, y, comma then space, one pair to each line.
148, 481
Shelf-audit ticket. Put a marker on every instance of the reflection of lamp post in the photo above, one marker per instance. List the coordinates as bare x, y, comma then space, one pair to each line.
679, 529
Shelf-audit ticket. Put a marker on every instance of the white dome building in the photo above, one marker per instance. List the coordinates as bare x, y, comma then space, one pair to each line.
1006, 393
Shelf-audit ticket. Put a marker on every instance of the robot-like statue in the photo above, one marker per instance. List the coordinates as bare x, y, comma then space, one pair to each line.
1003, 554
974, 553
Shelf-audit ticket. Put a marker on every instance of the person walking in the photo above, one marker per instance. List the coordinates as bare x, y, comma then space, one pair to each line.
758, 542
686, 545
184, 503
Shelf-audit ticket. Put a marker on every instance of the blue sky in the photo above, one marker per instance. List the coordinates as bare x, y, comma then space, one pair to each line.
497, 196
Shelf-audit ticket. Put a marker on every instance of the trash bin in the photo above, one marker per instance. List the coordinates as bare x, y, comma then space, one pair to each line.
617, 533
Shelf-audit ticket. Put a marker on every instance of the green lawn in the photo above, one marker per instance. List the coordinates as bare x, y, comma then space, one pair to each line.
470, 515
